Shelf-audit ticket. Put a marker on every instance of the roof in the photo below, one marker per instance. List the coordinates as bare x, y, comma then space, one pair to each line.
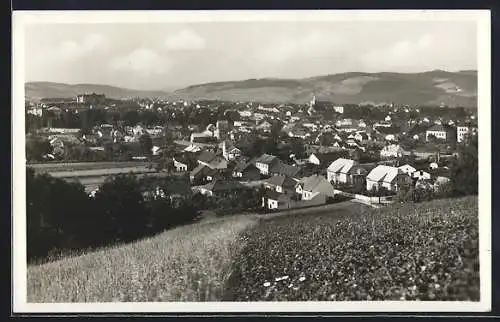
341, 165
384, 173
223, 185
285, 169
281, 180
266, 158
438, 127
317, 183
328, 157
359, 170
206, 156
407, 166
273, 195
197, 170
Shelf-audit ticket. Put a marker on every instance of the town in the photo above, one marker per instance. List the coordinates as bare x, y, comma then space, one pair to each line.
184, 161
296, 155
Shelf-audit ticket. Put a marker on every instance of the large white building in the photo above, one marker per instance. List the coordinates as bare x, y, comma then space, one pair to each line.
339, 109
463, 131
439, 131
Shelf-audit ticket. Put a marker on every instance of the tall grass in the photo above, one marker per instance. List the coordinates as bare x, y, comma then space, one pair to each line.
190, 263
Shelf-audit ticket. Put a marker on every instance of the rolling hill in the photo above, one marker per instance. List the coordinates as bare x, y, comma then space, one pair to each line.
427, 88
38, 90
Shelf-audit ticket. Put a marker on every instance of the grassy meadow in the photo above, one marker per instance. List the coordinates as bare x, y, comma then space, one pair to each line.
189, 263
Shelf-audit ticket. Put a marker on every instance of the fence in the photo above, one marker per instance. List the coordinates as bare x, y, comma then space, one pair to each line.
367, 199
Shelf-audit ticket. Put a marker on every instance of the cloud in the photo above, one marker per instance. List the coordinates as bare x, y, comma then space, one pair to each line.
405, 53
314, 44
75, 49
142, 60
185, 40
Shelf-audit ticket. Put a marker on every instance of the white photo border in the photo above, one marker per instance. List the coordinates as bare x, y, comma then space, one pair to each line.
22, 18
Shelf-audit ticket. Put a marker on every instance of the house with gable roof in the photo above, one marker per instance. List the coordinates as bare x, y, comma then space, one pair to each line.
346, 171
389, 177
246, 170
265, 162
314, 186
280, 183
408, 169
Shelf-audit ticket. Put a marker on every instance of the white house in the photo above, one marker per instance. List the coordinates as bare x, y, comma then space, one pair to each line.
313, 186
439, 131
245, 113
389, 177
229, 151
408, 169
463, 131
264, 163
38, 111
180, 165
156, 150
345, 171
339, 109
421, 175
391, 151
390, 137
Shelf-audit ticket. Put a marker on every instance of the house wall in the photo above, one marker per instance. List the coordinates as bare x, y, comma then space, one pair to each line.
357, 179
263, 168
389, 185
314, 160
331, 176
180, 166
272, 204
343, 177
370, 184
308, 195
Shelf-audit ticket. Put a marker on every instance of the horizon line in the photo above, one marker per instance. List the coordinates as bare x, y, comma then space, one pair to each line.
176, 88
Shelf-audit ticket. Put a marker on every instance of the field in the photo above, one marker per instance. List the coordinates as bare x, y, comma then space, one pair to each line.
190, 263
344, 251
405, 252
84, 166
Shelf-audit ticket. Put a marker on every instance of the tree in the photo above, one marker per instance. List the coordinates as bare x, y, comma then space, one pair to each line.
146, 144
464, 170
36, 148
121, 208
57, 212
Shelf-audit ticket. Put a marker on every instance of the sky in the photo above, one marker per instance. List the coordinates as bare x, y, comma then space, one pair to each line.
164, 56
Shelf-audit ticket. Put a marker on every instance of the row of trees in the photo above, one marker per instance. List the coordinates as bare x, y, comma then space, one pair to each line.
38, 147
62, 218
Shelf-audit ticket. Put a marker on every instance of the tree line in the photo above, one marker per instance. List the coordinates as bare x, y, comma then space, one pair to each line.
62, 218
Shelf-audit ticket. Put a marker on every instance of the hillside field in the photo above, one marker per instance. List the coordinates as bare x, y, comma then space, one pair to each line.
427, 251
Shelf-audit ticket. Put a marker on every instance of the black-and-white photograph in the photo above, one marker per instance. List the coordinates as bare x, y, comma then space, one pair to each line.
252, 161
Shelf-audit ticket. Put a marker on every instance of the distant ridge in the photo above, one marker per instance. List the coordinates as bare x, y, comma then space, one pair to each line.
38, 90
426, 88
